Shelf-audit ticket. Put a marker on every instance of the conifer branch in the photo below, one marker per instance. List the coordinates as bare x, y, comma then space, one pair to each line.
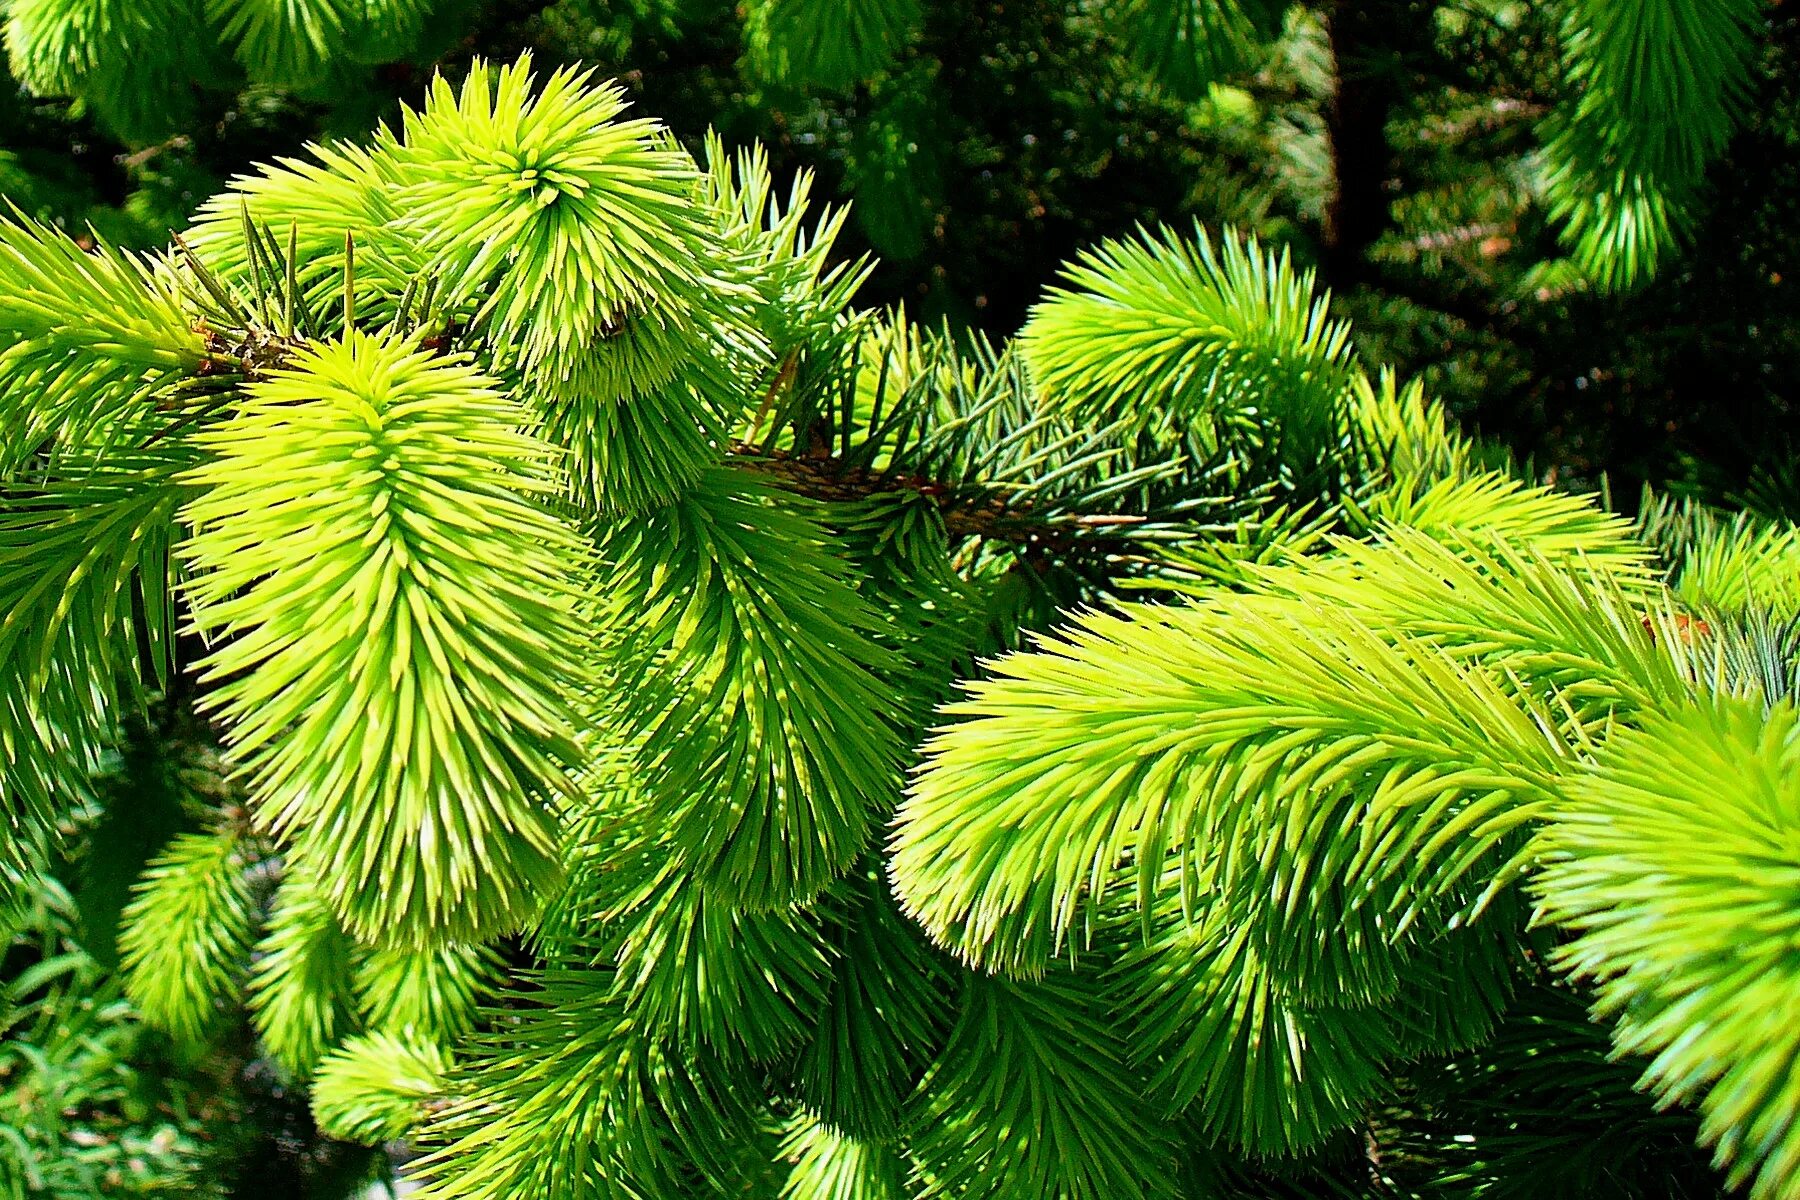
988, 516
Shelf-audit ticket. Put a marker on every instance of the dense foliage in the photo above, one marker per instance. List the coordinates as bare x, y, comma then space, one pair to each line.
607, 709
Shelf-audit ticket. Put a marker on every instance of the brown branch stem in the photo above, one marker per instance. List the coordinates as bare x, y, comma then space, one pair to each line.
987, 516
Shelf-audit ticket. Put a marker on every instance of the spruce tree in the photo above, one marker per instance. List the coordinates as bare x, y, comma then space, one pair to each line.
685, 734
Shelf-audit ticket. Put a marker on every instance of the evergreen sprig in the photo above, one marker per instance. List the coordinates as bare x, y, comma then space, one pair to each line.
828, 1165
829, 43
402, 584
377, 1087
187, 933
1169, 333
571, 1099
571, 222
86, 341
1674, 863
299, 996
432, 994
1655, 91
1187, 45
758, 688
1032, 1095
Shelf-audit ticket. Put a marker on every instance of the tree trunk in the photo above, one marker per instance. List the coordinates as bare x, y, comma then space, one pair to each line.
1374, 44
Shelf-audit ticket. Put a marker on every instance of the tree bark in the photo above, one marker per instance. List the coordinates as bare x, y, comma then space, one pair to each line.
1376, 46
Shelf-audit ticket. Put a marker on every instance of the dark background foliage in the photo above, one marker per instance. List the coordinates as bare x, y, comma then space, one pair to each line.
1379, 143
